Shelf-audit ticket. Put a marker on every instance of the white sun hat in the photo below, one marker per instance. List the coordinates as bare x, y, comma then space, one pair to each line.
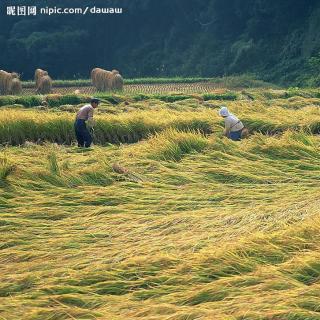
223, 112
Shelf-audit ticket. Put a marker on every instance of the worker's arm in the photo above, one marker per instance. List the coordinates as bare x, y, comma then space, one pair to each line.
90, 120
227, 127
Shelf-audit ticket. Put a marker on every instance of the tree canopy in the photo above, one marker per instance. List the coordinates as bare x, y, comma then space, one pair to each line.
276, 40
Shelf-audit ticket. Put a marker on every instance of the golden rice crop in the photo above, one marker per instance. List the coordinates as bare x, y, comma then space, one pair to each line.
17, 126
199, 237
178, 225
133, 121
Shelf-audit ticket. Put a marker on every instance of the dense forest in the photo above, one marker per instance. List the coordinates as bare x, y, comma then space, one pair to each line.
275, 40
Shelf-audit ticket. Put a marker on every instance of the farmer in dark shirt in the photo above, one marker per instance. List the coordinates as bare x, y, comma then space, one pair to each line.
85, 114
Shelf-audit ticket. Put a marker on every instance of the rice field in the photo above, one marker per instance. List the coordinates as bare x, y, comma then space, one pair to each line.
156, 85
134, 88
164, 218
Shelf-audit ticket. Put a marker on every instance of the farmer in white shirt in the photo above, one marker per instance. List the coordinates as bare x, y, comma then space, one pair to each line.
85, 114
233, 126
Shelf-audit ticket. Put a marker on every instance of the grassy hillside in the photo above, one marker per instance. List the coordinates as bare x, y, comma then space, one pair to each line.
180, 223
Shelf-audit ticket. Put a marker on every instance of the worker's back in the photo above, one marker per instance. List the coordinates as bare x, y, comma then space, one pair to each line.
233, 123
85, 112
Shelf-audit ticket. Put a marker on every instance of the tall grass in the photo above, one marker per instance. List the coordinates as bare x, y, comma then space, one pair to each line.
177, 225
17, 127
172, 145
137, 121
212, 225
53, 163
6, 168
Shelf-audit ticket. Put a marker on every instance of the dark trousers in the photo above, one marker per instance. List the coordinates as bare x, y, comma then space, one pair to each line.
235, 135
82, 133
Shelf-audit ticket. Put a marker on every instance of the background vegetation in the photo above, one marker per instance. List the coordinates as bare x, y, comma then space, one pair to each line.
277, 41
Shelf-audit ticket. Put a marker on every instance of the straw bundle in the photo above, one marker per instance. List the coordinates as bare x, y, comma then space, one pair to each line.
105, 80
6, 79
15, 86
38, 74
45, 85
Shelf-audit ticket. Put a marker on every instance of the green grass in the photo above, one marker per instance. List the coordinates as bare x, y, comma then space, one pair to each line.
223, 96
286, 97
6, 169
87, 82
57, 100
245, 81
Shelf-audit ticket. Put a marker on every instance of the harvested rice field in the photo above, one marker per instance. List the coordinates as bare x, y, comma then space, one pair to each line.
136, 88
163, 218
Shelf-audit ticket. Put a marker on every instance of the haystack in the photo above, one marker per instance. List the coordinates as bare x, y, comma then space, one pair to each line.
94, 75
15, 75
102, 79
38, 74
117, 82
3, 76
15, 86
45, 85
6, 80
108, 80
105, 80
